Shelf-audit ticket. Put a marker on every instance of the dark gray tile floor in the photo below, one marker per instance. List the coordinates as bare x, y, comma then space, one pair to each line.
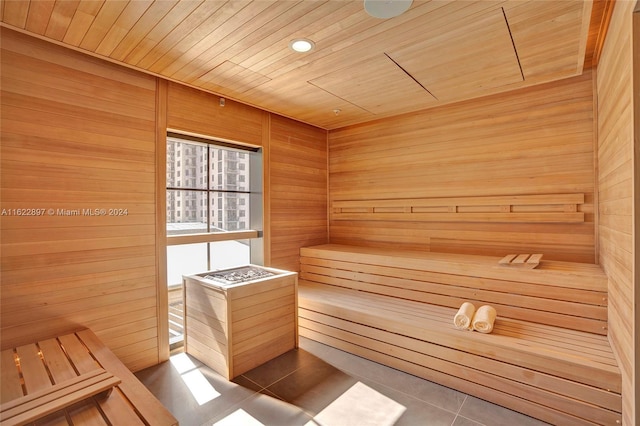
316, 385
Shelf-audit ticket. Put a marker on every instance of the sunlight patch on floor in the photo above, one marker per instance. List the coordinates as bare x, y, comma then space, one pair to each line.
237, 418
197, 384
360, 405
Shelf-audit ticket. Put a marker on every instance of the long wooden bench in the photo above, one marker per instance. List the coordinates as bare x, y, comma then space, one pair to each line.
73, 379
548, 355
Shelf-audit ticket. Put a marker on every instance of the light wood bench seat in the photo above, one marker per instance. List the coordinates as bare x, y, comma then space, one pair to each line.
62, 395
560, 374
569, 295
73, 379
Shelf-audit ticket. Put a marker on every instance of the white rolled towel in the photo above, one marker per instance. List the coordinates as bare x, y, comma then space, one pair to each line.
484, 318
462, 319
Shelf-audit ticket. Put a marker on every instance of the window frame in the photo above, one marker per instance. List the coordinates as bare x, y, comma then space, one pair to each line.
254, 234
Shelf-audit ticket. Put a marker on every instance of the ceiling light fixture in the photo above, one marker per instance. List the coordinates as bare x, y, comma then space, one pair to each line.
301, 45
385, 9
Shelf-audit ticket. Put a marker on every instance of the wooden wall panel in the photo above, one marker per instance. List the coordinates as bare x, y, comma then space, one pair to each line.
616, 204
297, 190
194, 111
527, 142
77, 133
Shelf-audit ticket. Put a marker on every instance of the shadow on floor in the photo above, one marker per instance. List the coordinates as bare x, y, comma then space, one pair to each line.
316, 385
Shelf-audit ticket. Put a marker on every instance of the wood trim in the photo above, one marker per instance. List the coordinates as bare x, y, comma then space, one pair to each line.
596, 173
602, 33
174, 240
635, 41
266, 188
558, 208
587, 11
161, 219
328, 148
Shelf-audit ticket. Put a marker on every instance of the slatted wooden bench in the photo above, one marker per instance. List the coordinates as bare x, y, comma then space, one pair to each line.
548, 355
73, 379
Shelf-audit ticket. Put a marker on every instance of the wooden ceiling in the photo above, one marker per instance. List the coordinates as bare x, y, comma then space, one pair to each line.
362, 68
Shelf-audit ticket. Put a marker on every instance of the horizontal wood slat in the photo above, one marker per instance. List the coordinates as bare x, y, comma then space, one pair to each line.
79, 145
77, 374
37, 405
548, 355
552, 208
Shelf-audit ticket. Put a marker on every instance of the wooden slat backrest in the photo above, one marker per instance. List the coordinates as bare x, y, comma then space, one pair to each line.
540, 208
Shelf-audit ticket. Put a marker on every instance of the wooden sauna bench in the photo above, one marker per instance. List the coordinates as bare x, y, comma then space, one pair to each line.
74, 380
548, 355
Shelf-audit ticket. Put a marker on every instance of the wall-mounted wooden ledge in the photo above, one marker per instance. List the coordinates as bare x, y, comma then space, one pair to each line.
210, 237
544, 208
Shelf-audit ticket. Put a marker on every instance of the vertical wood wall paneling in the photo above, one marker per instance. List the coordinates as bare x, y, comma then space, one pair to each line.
298, 182
78, 133
161, 219
616, 193
596, 191
266, 185
531, 141
636, 205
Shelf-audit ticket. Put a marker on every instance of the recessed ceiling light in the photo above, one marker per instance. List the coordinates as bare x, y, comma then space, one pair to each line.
385, 9
301, 45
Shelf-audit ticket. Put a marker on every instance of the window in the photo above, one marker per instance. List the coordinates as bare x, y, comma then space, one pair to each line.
212, 221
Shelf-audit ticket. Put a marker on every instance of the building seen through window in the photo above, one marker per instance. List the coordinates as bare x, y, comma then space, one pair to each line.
208, 188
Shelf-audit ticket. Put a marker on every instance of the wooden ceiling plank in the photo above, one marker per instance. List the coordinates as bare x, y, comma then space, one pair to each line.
288, 26
354, 84
141, 31
60, 18
389, 34
15, 12
81, 22
559, 20
105, 19
125, 22
246, 79
464, 60
276, 33
196, 58
183, 18
233, 77
243, 37
172, 60
331, 16
39, 15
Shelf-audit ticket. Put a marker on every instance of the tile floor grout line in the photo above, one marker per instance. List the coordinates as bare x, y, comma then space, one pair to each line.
280, 379
458, 412
402, 392
347, 371
462, 405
